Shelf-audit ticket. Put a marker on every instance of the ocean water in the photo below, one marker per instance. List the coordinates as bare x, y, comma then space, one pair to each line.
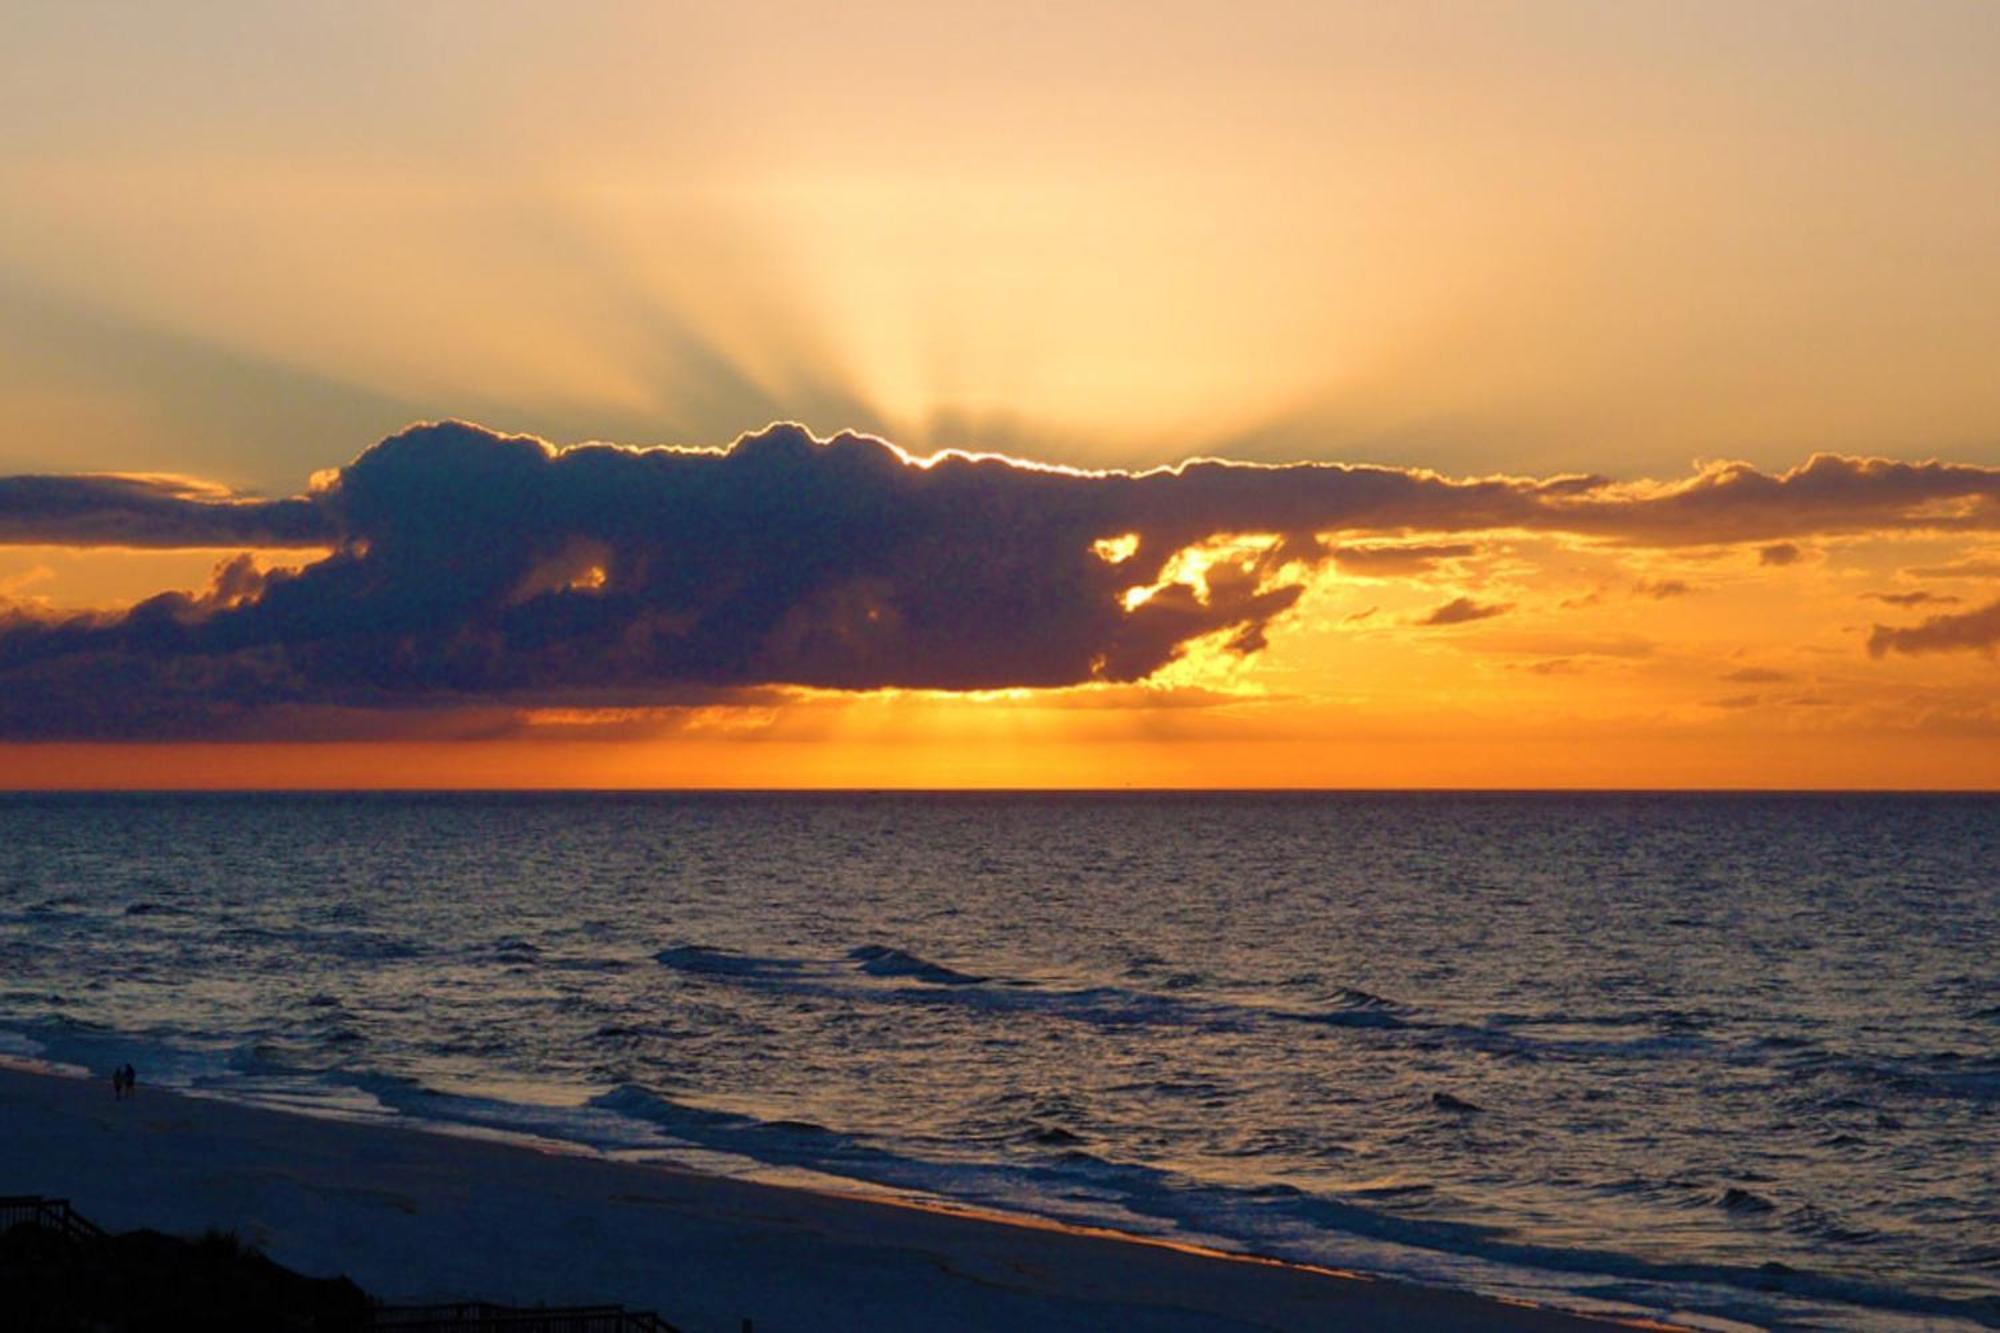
1735, 1058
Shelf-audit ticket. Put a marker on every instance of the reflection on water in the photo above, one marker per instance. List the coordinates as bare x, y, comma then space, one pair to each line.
1615, 1049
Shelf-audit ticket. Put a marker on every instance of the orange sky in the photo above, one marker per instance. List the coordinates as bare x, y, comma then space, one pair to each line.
243, 244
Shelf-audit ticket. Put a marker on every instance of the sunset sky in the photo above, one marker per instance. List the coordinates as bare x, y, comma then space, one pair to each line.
1606, 395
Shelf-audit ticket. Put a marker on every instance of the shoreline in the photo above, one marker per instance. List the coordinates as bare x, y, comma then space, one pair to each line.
415, 1215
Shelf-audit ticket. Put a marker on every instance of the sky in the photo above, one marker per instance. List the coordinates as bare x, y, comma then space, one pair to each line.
782, 395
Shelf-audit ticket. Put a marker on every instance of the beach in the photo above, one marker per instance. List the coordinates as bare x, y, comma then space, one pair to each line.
416, 1216
1110, 1013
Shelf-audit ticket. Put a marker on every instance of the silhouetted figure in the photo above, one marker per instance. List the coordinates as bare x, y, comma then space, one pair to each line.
131, 1079
118, 1084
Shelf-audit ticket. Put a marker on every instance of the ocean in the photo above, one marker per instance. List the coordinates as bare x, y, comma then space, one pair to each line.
1730, 1057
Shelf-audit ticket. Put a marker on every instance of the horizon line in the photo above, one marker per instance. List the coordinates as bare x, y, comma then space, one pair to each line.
81, 790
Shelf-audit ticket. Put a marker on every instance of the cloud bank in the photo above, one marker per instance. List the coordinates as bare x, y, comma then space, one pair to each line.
1968, 631
472, 568
151, 511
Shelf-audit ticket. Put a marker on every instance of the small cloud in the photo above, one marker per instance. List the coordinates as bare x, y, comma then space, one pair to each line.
1779, 553
1737, 701
1909, 598
1757, 676
1463, 610
1116, 550
1555, 666
1359, 616
1660, 590
1968, 631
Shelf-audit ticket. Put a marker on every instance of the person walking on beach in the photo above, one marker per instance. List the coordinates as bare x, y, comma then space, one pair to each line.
131, 1078
118, 1084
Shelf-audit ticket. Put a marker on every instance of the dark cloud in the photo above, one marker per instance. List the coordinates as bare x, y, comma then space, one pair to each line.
471, 568
1660, 590
113, 510
476, 571
1722, 503
1909, 598
1462, 610
1779, 553
1967, 631
1829, 493
1757, 676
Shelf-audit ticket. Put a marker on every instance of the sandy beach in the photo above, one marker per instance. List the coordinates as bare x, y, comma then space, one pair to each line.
413, 1216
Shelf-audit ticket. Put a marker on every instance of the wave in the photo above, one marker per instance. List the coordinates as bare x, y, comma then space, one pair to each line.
1050, 1173
1736, 1199
918, 980
706, 960
1274, 1210
880, 960
912, 979
1341, 1018
1942, 1074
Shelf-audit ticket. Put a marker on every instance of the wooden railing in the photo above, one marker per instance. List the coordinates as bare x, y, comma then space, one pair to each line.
484, 1317
49, 1214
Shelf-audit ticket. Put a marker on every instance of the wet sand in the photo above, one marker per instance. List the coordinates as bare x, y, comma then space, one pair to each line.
415, 1216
